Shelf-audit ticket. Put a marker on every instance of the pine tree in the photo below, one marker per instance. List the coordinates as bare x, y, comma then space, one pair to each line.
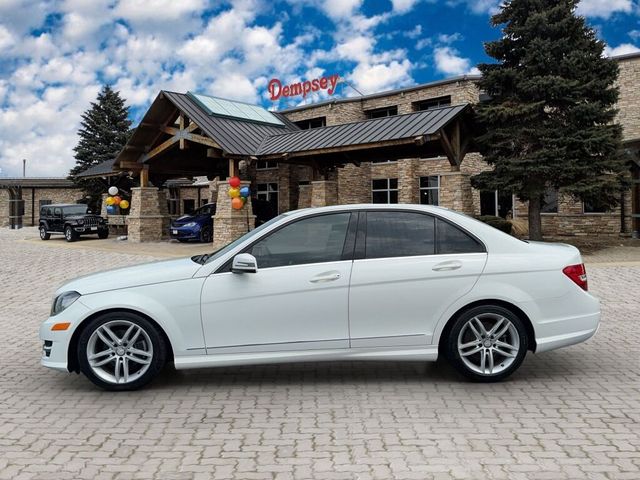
549, 122
104, 131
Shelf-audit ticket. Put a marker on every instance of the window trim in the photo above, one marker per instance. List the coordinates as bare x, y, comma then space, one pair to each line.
387, 190
346, 256
360, 248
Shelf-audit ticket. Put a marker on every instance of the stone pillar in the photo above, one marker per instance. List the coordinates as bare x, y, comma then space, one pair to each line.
324, 193
4, 207
455, 192
213, 190
103, 206
148, 219
354, 184
408, 183
304, 196
229, 224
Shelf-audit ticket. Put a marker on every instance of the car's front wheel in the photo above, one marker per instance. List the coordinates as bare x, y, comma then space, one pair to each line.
487, 343
44, 234
205, 235
121, 351
70, 234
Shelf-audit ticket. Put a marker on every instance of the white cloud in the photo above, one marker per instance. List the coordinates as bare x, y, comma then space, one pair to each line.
403, 6
370, 78
448, 61
622, 49
415, 32
480, 7
337, 9
604, 8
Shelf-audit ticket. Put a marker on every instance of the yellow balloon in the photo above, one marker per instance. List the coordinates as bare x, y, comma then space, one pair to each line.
234, 192
109, 201
124, 204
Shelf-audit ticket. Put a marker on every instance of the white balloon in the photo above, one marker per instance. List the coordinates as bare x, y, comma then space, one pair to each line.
113, 190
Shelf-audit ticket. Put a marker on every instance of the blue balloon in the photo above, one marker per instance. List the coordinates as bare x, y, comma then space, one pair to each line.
111, 209
245, 192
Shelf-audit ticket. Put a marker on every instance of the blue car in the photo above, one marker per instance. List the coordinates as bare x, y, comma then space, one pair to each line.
195, 226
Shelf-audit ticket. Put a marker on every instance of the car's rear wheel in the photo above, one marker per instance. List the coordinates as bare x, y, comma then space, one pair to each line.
69, 234
205, 235
121, 351
487, 343
44, 234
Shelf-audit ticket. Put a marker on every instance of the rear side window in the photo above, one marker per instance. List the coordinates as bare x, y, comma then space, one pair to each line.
399, 234
452, 239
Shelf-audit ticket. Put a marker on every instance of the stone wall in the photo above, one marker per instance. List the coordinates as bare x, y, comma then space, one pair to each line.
4, 207
324, 193
32, 197
148, 219
629, 101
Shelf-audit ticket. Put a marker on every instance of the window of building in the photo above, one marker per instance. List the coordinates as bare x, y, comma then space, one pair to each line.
188, 206
266, 165
451, 239
384, 190
383, 161
550, 201
430, 190
382, 112
496, 203
311, 240
595, 206
399, 234
312, 123
430, 103
173, 201
268, 192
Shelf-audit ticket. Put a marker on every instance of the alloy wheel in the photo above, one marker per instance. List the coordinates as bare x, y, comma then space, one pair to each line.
119, 352
488, 344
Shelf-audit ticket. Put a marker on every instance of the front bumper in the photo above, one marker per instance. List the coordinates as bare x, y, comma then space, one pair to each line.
55, 344
83, 229
183, 233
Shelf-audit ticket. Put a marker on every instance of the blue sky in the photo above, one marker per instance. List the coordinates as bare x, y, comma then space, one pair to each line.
55, 54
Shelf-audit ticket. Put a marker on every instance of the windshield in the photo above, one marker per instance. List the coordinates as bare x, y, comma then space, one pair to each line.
75, 210
227, 248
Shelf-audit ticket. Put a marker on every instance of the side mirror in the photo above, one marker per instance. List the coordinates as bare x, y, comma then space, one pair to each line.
244, 263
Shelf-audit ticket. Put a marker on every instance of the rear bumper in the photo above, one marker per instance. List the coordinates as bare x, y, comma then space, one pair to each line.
578, 329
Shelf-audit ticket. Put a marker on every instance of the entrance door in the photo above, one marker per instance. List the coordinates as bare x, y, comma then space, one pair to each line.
297, 300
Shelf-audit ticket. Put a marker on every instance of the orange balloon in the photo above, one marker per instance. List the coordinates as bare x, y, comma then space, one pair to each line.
117, 200
236, 203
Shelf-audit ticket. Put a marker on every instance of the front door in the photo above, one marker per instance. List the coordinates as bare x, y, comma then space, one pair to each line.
409, 268
297, 300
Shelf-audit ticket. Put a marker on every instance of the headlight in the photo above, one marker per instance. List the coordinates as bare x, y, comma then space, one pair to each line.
80, 222
63, 301
190, 224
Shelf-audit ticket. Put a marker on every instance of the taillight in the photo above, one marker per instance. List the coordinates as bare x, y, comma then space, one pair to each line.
578, 274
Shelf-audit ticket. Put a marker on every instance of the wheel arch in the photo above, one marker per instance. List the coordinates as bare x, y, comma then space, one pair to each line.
72, 358
500, 303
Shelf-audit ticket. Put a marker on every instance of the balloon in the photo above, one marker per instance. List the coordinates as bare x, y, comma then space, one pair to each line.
111, 210
236, 204
124, 204
109, 201
244, 192
117, 200
113, 190
234, 192
234, 182
244, 200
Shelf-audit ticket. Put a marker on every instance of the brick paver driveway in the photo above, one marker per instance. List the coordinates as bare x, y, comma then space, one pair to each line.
573, 413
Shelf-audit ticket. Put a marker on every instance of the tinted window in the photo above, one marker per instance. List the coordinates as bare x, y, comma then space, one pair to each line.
453, 240
399, 234
79, 209
312, 240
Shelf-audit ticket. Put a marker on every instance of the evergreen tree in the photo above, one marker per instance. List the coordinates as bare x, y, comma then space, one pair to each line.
549, 122
104, 131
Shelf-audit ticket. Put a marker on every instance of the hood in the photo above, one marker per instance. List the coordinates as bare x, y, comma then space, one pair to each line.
120, 278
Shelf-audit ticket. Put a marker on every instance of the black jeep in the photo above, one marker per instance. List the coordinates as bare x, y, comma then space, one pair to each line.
72, 220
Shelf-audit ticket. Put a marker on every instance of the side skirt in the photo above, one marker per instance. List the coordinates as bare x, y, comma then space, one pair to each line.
408, 354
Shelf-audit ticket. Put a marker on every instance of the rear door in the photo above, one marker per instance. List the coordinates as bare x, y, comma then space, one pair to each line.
409, 267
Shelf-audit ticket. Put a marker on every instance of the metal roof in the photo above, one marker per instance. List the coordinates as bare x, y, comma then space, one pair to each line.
397, 127
235, 137
102, 169
37, 182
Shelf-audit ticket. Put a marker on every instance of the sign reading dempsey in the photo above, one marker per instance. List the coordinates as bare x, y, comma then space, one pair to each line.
276, 90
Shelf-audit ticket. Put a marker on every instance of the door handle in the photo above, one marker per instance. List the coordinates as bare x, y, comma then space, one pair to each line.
447, 266
325, 277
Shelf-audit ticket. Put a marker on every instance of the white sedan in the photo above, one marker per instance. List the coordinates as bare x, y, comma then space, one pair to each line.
358, 282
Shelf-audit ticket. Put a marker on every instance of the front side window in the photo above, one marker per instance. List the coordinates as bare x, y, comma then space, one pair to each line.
384, 190
451, 239
430, 190
399, 234
310, 240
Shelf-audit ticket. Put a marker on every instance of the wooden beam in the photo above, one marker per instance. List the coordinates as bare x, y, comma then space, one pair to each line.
448, 148
181, 125
144, 176
194, 137
159, 149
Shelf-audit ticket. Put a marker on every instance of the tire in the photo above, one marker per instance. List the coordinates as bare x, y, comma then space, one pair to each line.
44, 234
69, 234
102, 234
469, 341
205, 235
141, 368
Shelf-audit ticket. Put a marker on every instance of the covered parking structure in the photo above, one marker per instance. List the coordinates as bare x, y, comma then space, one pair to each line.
193, 134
